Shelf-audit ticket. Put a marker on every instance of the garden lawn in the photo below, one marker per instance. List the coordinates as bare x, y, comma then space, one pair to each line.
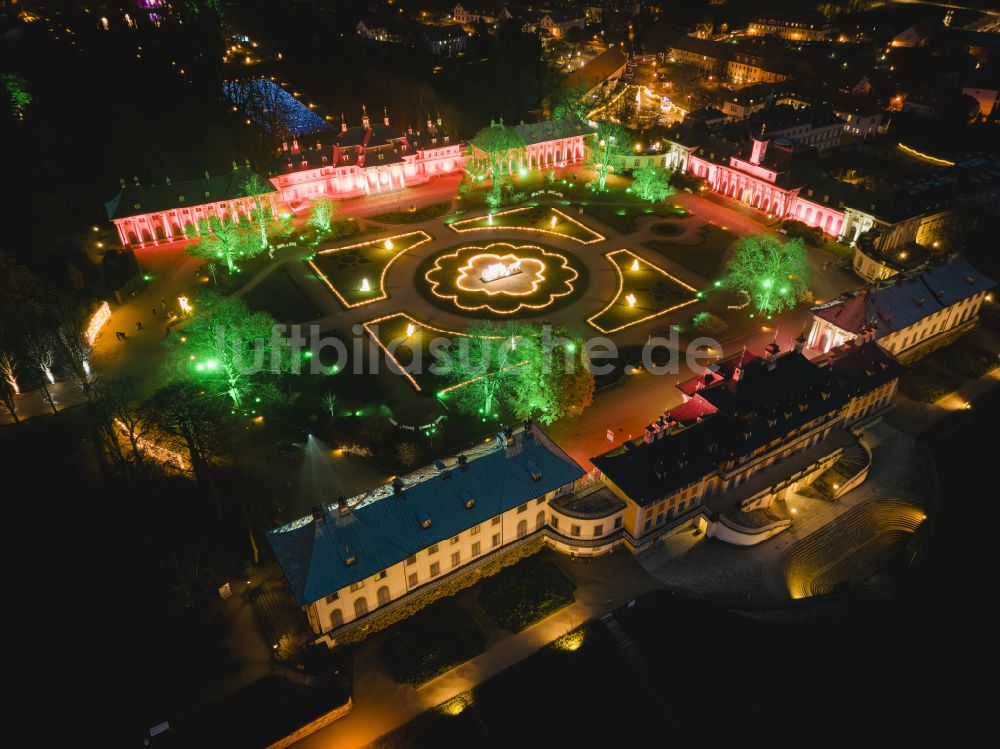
924, 383
348, 270
424, 213
645, 292
434, 640
518, 596
582, 674
281, 297
533, 218
707, 257
622, 217
411, 351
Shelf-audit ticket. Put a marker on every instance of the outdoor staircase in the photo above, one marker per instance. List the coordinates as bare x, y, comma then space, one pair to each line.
839, 477
633, 657
850, 548
277, 614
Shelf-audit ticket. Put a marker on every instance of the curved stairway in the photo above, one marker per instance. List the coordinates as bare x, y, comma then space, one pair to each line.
842, 475
851, 548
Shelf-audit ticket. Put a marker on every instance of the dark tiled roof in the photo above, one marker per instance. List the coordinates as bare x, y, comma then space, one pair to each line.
135, 200
760, 405
906, 298
598, 70
316, 556
357, 145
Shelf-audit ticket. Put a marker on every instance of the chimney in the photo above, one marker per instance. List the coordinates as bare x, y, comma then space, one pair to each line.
319, 514
365, 121
463, 463
800, 343
397, 487
345, 509
385, 119
649, 435
771, 353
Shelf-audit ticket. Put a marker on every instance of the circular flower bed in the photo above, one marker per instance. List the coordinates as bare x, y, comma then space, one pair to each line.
501, 279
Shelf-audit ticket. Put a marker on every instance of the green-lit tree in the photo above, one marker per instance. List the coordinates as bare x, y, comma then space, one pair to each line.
224, 240
485, 364
321, 214
608, 148
519, 370
265, 219
497, 150
561, 384
17, 93
651, 183
772, 273
231, 351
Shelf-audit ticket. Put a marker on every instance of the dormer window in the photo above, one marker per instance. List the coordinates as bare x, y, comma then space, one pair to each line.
424, 519
181, 198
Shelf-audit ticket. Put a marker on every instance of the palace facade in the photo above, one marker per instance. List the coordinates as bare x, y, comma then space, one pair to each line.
910, 313
363, 160
752, 431
149, 215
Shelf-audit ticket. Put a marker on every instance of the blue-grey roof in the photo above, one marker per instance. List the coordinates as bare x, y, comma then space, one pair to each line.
906, 298
315, 554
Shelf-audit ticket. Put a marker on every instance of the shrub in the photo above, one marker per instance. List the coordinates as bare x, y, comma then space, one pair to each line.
709, 324
925, 384
435, 640
812, 235
519, 596
967, 360
408, 454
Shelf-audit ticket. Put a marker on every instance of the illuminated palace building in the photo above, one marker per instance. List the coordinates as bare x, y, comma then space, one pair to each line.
770, 176
363, 160
752, 431
161, 213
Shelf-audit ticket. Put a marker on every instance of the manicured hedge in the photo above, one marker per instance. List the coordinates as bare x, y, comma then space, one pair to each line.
519, 596
437, 639
927, 385
967, 360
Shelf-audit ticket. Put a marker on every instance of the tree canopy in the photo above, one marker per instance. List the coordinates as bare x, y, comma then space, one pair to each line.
651, 183
224, 239
496, 151
519, 370
231, 351
774, 274
610, 144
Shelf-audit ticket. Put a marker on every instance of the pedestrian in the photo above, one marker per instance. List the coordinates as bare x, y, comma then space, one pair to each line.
154, 312
163, 302
118, 335
138, 326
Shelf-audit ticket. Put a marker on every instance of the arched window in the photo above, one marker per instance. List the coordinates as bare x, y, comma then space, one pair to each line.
360, 607
336, 618
540, 519
522, 529
383, 595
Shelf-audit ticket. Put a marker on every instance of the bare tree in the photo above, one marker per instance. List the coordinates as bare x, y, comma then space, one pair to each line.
39, 348
8, 384
74, 346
